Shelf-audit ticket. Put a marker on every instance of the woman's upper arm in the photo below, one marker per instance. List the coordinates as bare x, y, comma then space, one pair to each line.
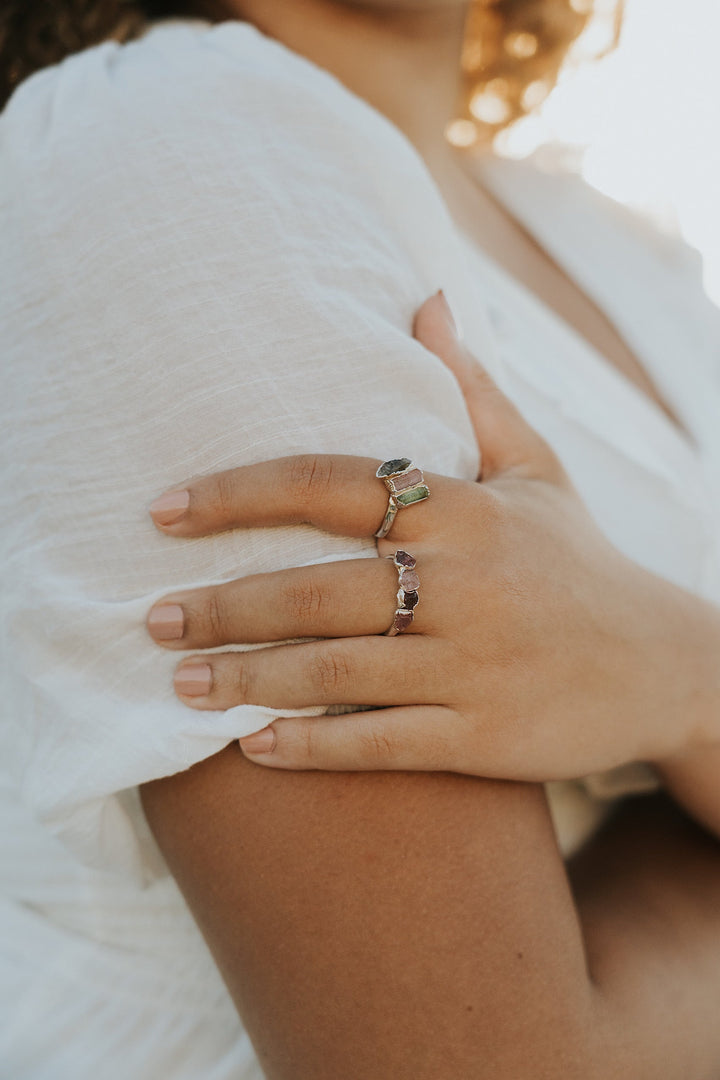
180, 293
377, 925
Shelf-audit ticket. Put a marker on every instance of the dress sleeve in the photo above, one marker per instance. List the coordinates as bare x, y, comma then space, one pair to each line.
211, 256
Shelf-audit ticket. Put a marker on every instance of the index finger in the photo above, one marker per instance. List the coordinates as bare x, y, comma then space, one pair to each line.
334, 492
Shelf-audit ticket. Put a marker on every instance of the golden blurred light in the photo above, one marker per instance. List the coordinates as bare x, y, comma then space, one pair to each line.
490, 104
461, 133
583, 7
535, 93
521, 45
489, 108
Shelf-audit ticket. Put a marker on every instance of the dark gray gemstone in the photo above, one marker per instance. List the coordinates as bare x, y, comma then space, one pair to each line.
396, 465
410, 599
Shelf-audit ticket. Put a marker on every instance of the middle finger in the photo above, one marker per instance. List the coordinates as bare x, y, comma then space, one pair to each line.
368, 671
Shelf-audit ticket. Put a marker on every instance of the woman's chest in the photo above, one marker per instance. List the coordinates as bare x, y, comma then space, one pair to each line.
641, 478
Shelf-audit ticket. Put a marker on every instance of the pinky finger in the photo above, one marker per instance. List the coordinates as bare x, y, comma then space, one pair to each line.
418, 737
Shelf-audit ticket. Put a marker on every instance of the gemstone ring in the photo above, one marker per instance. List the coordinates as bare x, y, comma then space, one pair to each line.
406, 485
407, 595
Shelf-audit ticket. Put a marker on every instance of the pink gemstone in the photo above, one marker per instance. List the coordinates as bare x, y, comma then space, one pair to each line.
402, 620
402, 483
404, 558
409, 580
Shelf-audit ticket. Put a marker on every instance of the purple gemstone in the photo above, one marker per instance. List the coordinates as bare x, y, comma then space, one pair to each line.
402, 620
409, 580
410, 599
404, 558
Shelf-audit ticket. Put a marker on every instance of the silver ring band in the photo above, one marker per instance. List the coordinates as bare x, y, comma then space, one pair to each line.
406, 484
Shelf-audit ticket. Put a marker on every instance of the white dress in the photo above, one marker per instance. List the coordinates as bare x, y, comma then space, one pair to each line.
211, 255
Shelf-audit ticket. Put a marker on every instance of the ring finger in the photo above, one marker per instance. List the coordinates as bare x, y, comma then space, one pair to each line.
342, 599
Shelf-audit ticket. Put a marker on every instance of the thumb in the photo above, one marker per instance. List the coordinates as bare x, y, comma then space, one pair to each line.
505, 439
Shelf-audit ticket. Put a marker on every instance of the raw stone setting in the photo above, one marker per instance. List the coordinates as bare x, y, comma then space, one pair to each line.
402, 620
407, 480
416, 494
409, 581
404, 558
396, 465
410, 599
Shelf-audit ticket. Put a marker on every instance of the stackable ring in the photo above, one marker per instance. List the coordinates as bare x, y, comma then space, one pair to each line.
407, 595
406, 485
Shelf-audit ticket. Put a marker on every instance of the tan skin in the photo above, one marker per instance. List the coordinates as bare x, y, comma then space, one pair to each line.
418, 925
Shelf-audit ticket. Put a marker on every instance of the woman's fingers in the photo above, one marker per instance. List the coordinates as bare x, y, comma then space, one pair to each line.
351, 598
350, 671
505, 439
334, 492
421, 737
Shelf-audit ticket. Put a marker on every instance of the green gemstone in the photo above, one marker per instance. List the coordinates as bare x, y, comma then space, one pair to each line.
416, 494
388, 468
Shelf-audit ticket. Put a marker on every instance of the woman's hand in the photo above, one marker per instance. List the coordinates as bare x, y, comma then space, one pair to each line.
537, 652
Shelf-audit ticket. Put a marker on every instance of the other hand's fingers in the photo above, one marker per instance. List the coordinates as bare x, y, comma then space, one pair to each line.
334, 492
421, 737
353, 598
505, 438
349, 671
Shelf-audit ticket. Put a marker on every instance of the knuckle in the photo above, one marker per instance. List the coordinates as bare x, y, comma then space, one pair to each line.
305, 601
225, 495
215, 618
305, 742
244, 683
377, 746
309, 477
330, 673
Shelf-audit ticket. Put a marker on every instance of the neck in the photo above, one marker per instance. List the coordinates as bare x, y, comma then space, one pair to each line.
405, 63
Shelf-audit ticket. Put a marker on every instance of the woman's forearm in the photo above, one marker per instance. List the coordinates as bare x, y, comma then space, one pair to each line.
691, 671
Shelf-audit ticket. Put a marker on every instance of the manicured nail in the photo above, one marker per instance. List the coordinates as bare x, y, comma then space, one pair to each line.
170, 507
193, 680
260, 742
166, 622
447, 310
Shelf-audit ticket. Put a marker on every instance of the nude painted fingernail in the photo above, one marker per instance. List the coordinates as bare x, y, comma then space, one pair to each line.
260, 742
166, 622
170, 507
193, 680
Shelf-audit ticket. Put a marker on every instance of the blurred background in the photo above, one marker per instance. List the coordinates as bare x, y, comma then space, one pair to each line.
644, 121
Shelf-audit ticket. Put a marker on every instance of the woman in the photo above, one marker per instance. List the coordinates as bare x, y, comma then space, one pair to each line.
216, 240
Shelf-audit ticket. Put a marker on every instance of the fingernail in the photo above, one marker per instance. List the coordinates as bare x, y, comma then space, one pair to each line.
260, 742
193, 680
170, 507
166, 622
447, 311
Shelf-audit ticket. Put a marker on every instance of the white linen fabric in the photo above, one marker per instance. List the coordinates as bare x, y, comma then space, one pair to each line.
212, 254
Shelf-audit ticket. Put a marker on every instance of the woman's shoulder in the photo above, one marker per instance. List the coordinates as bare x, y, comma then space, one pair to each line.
188, 88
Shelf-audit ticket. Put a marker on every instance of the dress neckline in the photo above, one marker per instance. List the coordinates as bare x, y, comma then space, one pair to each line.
506, 181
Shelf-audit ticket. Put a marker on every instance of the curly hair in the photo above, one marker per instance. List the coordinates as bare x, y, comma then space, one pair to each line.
513, 48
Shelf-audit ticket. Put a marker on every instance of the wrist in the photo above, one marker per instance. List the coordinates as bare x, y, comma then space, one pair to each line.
683, 668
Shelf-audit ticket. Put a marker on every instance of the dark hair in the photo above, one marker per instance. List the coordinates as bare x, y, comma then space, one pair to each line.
511, 45
36, 33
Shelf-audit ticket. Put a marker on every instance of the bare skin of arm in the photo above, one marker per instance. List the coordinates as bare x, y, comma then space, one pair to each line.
424, 926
